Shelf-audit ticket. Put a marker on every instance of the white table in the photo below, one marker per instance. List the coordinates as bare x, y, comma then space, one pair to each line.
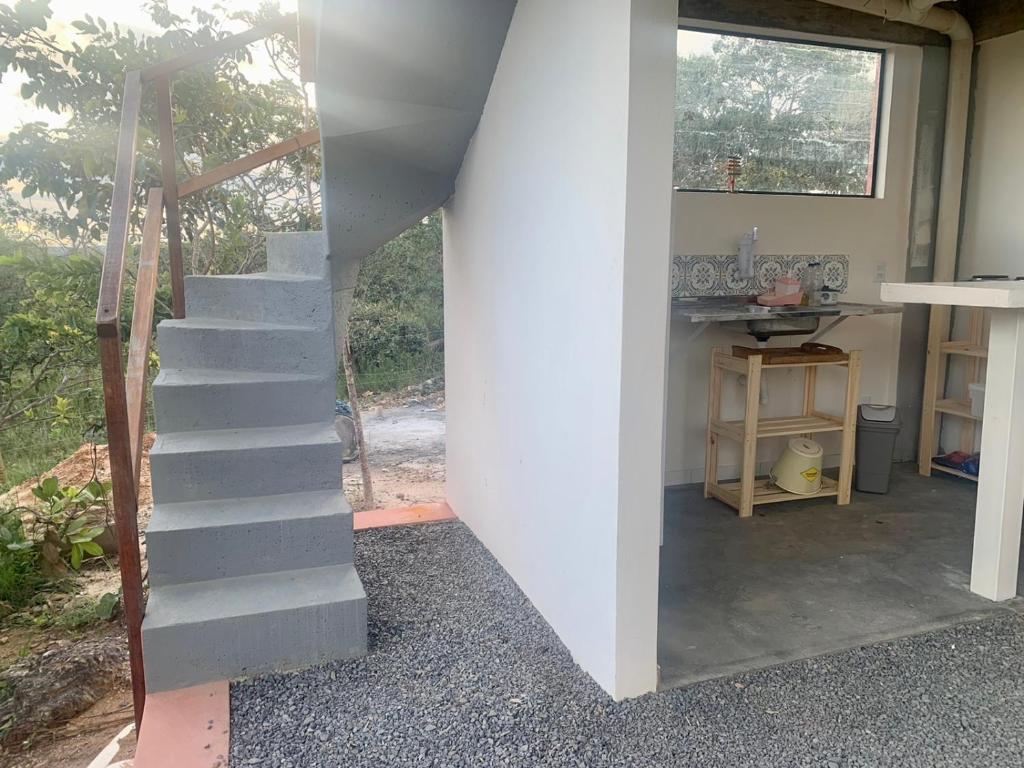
997, 523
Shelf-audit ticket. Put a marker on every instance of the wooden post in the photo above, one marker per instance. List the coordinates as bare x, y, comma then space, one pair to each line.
849, 427
750, 417
122, 476
108, 329
142, 327
810, 393
169, 177
714, 414
934, 383
975, 337
357, 419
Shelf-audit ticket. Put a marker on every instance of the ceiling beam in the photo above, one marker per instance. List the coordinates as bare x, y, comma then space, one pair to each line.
811, 17
990, 18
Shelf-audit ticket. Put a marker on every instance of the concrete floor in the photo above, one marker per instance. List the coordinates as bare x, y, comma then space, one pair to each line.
806, 578
463, 671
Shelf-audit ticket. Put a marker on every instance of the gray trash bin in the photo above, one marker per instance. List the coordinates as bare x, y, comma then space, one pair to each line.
877, 427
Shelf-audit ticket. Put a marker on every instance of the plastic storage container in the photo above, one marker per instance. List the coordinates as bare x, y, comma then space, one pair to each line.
977, 399
877, 427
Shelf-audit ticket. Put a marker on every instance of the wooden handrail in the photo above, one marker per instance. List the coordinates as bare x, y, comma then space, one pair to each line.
108, 309
218, 48
142, 327
247, 163
124, 392
169, 178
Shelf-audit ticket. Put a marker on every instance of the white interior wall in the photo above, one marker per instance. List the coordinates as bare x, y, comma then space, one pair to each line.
992, 239
556, 298
872, 231
993, 227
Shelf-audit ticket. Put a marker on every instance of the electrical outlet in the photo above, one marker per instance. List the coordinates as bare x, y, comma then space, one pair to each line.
880, 272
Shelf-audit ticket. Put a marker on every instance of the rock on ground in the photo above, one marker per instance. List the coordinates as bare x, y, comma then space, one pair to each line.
51, 688
463, 671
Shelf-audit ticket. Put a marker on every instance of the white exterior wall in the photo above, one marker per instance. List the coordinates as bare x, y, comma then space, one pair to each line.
993, 227
556, 302
873, 232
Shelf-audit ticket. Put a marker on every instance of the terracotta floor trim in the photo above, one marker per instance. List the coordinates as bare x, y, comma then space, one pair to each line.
418, 513
188, 728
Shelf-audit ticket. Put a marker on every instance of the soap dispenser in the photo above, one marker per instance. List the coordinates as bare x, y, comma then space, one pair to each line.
745, 261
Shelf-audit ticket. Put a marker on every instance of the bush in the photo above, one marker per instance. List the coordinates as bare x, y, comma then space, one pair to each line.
20, 577
381, 336
396, 327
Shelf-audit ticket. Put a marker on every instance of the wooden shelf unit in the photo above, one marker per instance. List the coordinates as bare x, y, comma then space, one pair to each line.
936, 402
749, 491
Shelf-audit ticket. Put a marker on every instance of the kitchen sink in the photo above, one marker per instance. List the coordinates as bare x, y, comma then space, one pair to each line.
763, 322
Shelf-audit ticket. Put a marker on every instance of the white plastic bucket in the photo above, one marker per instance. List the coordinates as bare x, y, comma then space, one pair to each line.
798, 469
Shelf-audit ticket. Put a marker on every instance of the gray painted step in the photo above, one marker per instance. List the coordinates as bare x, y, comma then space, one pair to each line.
297, 299
298, 253
246, 346
205, 398
225, 463
236, 627
203, 540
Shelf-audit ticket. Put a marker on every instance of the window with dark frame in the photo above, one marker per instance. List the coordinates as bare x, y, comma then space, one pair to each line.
758, 114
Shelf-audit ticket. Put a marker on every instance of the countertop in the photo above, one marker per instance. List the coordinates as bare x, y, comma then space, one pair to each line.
731, 308
1001, 294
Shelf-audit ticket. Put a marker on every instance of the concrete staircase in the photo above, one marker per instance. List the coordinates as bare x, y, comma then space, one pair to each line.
400, 87
250, 544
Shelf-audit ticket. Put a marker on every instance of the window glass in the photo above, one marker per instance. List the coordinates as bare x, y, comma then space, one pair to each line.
762, 115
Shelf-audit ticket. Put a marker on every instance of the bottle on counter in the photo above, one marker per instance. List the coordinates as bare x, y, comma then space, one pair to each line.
813, 283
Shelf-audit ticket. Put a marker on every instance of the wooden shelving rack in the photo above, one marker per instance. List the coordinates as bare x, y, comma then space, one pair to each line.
937, 403
749, 491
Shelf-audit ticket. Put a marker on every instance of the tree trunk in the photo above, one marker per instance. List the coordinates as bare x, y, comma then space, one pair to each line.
3, 469
357, 419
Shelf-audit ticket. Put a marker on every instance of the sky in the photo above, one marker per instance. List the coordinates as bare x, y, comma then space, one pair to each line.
14, 111
690, 42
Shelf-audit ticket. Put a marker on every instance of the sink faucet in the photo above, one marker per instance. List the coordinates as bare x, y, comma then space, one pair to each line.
745, 260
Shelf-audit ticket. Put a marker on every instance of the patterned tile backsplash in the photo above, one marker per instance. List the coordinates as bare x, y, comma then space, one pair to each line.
718, 275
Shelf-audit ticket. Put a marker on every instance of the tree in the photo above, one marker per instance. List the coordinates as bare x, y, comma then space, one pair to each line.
397, 322
798, 115
56, 183
220, 114
47, 341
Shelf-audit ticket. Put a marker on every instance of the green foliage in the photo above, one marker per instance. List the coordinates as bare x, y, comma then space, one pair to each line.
20, 578
220, 114
50, 393
798, 115
397, 320
85, 611
65, 525
383, 335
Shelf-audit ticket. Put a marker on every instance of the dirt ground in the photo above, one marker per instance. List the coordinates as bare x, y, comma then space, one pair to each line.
76, 743
406, 453
406, 439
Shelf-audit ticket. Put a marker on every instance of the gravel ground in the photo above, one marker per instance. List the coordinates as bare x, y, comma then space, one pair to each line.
464, 672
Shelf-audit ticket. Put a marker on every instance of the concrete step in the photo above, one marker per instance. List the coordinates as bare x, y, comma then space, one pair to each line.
263, 461
237, 627
187, 399
277, 298
202, 540
245, 345
300, 253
